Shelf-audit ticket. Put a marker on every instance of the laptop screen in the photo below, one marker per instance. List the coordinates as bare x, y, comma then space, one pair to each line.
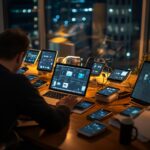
46, 61
31, 56
70, 79
141, 91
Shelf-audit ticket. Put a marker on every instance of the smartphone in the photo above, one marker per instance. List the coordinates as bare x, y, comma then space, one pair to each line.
83, 105
99, 114
107, 91
22, 70
97, 68
92, 129
132, 111
119, 75
39, 83
31, 77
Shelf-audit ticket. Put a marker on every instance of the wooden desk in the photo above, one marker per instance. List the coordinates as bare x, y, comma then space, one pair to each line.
72, 141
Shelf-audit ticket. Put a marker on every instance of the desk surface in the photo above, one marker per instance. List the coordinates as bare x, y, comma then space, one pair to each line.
70, 140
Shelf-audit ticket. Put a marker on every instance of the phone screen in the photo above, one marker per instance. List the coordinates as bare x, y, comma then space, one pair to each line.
22, 70
108, 91
131, 111
97, 68
119, 75
83, 105
92, 129
31, 77
99, 114
38, 83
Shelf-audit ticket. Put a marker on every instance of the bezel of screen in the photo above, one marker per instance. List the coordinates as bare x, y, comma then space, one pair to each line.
34, 50
118, 80
50, 87
135, 99
117, 89
38, 67
94, 74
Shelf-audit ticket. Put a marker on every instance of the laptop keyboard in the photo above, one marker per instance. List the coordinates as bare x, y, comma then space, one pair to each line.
54, 94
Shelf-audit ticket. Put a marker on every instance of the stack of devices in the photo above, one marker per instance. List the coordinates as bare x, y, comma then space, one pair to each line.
108, 94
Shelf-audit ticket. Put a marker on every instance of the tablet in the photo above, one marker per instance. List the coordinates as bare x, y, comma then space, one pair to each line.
97, 68
99, 114
31, 56
131, 111
119, 75
92, 129
47, 60
107, 91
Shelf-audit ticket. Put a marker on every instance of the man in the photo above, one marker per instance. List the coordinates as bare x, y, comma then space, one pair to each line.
18, 96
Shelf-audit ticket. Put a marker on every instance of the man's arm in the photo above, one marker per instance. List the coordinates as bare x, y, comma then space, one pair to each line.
30, 103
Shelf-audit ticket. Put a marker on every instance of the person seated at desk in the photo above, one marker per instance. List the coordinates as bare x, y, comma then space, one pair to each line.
18, 96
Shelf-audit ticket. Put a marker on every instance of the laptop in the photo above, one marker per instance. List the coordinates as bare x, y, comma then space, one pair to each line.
67, 80
141, 91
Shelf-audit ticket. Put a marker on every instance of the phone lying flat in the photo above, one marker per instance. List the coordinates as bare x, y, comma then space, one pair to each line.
92, 129
99, 114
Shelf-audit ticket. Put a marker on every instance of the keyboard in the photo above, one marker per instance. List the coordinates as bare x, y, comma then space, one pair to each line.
54, 94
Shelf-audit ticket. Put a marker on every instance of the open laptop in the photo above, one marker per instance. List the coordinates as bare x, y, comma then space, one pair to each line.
67, 80
141, 91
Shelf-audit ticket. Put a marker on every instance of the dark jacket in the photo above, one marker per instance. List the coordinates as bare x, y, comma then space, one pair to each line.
18, 96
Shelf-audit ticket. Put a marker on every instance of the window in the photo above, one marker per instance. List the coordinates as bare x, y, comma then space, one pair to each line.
23, 14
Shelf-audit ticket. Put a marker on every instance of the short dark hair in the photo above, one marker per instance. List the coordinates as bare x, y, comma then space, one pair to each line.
12, 42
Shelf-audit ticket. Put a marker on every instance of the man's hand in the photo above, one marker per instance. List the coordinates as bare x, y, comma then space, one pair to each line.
69, 101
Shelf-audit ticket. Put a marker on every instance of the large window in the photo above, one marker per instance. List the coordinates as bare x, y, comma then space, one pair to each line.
107, 29
23, 14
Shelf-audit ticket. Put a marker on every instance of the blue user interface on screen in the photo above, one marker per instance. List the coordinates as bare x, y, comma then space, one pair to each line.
70, 79
119, 74
108, 91
97, 68
31, 56
46, 61
131, 111
93, 128
100, 114
141, 90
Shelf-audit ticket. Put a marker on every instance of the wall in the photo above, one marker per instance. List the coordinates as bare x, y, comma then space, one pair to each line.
1, 17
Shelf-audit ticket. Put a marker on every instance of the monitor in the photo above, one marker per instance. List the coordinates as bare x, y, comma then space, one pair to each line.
70, 79
31, 56
141, 91
46, 61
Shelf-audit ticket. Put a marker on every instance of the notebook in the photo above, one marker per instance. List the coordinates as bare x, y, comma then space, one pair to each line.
67, 80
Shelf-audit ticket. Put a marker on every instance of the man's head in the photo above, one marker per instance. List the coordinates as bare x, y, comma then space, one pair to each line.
13, 45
